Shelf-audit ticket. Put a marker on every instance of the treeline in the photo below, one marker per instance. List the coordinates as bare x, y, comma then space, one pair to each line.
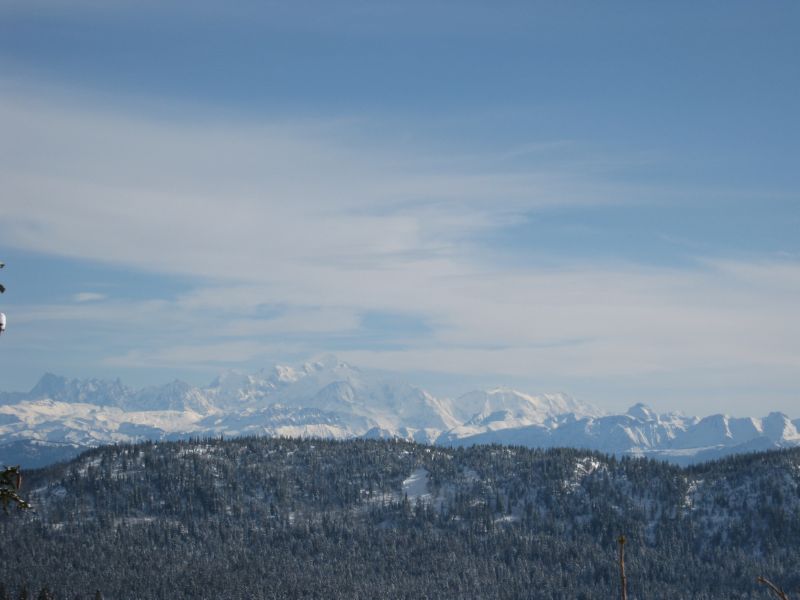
282, 518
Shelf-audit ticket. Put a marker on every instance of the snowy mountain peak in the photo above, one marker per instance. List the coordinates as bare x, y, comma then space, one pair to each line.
476, 406
90, 391
642, 412
48, 386
777, 427
230, 380
285, 374
327, 362
327, 366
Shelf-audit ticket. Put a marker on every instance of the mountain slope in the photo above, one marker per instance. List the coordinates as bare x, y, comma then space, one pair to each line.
642, 432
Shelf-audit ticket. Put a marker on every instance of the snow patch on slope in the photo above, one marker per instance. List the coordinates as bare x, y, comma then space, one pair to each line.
415, 486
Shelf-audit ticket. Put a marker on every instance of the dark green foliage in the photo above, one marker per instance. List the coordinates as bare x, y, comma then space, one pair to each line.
44, 594
279, 518
10, 481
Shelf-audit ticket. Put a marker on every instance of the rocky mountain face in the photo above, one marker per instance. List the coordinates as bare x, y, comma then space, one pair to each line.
60, 417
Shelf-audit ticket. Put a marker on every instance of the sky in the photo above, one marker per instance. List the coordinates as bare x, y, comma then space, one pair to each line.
600, 199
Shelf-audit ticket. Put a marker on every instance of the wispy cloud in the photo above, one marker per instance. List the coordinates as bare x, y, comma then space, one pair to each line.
88, 297
292, 232
182, 198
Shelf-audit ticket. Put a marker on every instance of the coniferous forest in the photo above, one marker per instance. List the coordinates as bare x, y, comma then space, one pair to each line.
287, 518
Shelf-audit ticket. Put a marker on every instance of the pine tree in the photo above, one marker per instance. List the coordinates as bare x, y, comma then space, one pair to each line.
44, 594
10, 482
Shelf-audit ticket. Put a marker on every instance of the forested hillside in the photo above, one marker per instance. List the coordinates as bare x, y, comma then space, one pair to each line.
283, 518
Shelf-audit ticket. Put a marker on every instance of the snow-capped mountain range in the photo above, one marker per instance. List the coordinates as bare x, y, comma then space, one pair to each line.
328, 398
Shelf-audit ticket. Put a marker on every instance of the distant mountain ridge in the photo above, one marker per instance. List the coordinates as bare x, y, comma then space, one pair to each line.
329, 398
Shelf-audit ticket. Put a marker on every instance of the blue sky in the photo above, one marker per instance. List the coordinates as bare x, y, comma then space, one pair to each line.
600, 199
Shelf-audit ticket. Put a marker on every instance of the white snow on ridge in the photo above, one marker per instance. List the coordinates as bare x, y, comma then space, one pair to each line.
332, 399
